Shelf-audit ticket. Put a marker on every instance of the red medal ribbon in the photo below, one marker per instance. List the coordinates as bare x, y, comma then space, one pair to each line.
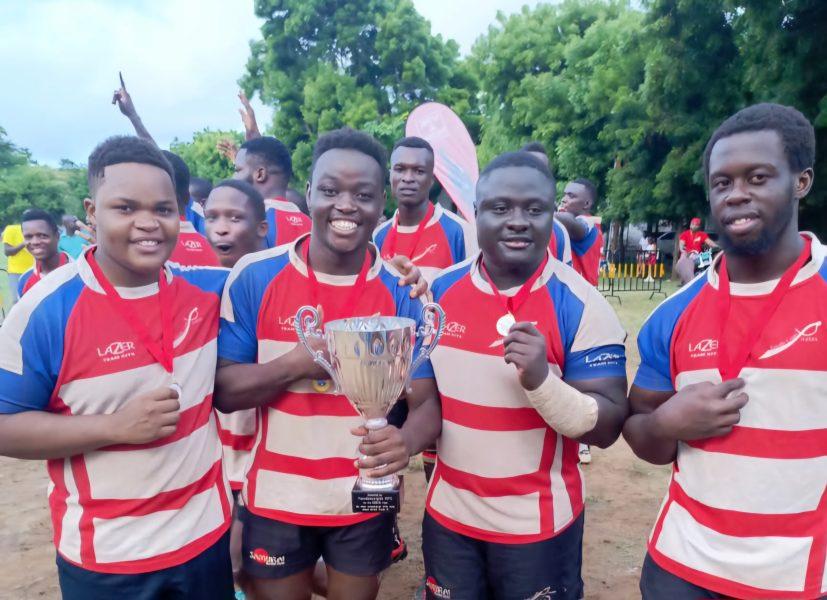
393, 235
512, 304
355, 291
161, 352
730, 365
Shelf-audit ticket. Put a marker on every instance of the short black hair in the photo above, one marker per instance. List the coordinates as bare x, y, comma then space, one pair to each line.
201, 186
253, 195
180, 177
590, 187
796, 132
413, 141
520, 158
272, 151
534, 147
121, 149
351, 139
38, 214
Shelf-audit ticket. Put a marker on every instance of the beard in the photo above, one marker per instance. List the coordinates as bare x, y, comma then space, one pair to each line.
766, 238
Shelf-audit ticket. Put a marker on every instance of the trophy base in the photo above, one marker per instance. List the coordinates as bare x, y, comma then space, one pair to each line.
374, 500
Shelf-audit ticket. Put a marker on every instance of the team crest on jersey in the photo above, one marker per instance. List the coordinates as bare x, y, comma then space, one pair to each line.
806, 334
117, 351
436, 589
191, 319
545, 594
262, 557
703, 348
424, 253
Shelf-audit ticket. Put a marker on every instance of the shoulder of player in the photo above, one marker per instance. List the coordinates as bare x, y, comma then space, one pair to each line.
382, 228
669, 311
206, 278
262, 264
451, 275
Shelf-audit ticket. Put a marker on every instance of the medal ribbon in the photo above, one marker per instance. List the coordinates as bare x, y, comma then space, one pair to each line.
355, 291
393, 234
512, 304
730, 365
161, 352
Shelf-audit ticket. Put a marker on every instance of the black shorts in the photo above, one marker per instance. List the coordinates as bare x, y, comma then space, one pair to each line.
461, 567
273, 549
208, 575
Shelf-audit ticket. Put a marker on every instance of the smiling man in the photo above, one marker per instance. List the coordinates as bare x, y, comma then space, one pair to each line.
731, 387
533, 363
42, 238
106, 371
298, 488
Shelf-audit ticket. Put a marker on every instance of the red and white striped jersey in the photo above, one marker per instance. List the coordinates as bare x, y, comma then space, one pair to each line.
237, 431
446, 240
746, 513
502, 474
192, 249
126, 508
302, 467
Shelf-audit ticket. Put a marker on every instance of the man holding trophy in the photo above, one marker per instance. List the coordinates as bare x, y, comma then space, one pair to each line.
318, 409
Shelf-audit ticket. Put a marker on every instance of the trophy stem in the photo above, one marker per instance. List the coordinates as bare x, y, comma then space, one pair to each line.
376, 483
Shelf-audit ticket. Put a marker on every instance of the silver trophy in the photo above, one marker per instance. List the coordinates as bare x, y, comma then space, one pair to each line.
371, 363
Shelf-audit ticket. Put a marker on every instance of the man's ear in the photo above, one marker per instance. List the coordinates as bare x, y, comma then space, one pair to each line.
803, 183
260, 174
89, 207
262, 228
307, 194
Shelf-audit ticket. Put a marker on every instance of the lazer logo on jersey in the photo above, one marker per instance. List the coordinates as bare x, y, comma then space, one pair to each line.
288, 323
436, 589
604, 358
805, 334
707, 347
117, 351
454, 329
294, 220
262, 557
193, 245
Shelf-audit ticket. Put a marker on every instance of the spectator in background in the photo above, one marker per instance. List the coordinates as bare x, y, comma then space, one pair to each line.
71, 243
19, 259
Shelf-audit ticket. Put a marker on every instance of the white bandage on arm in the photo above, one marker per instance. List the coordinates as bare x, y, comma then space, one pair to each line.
568, 411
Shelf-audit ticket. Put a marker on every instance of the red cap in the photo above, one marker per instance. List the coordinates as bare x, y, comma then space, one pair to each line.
695, 221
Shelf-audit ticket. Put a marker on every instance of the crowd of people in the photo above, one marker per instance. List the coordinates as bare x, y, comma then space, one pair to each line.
194, 448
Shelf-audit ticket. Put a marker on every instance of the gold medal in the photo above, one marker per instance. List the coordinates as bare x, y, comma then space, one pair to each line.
505, 323
321, 385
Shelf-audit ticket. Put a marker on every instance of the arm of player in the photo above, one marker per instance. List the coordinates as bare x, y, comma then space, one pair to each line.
248, 117
411, 275
41, 435
591, 410
391, 448
576, 229
249, 385
710, 243
10, 250
124, 101
661, 419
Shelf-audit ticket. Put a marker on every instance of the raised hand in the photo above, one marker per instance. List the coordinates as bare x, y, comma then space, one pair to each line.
227, 149
122, 98
248, 117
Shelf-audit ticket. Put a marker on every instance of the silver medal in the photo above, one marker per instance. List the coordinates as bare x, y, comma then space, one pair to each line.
505, 323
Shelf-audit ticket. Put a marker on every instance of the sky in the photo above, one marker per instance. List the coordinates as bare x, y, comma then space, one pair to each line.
181, 60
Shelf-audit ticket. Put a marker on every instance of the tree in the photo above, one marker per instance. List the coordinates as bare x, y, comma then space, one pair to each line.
201, 156
324, 64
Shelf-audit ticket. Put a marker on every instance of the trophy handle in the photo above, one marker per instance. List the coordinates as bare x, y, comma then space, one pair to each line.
431, 311
307, 324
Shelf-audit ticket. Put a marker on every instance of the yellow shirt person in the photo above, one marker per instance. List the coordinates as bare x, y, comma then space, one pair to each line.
19, 259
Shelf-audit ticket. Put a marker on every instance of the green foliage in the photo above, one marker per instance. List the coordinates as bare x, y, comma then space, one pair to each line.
202, 157
325, 64
24, 184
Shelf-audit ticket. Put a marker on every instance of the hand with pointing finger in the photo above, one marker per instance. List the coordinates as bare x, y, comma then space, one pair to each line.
124, 101
701, 410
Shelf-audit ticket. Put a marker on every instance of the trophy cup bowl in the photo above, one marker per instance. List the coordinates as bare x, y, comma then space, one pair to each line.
371, 362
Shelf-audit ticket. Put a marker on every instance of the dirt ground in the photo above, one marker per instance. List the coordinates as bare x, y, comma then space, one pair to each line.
622, 499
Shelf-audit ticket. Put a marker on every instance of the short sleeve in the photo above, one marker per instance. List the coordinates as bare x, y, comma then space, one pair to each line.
31, 349
581, 247
653, 343
237, 340
597, 349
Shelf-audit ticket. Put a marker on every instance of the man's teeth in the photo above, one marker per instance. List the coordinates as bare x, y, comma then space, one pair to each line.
742, 220
148, 243
343, 225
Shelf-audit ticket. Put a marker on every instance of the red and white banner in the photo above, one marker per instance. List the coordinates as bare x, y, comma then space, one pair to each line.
455, 156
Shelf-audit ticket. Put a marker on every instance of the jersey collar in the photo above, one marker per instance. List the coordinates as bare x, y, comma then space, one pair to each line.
481, 283
344, 280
